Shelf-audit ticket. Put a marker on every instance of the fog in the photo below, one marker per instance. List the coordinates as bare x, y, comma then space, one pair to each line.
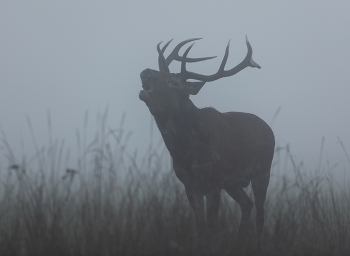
69, 57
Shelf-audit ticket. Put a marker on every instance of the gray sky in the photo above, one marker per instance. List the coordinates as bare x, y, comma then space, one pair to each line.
72, 56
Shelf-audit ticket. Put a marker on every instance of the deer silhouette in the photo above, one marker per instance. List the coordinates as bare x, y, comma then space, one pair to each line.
211, 150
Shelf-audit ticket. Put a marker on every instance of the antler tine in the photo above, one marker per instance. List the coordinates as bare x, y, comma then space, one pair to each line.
166, 45
249, 58
163, 67
247, 62
183, 62
224, 60
174, 55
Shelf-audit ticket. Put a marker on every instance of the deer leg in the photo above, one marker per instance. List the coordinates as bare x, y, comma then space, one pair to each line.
195, 198
246, 204
213, 203
260, 184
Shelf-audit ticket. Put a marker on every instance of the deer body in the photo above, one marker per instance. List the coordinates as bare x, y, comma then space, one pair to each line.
211, 151
228, 145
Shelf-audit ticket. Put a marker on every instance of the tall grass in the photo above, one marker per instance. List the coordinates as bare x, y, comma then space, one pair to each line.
112, 204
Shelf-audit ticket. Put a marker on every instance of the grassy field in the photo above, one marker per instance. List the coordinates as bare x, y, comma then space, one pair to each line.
112, 204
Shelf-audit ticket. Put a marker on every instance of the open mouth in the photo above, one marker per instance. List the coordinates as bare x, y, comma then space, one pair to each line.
145, 93
145, 85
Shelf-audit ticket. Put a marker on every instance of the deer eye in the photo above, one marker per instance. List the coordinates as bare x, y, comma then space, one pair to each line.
173, 82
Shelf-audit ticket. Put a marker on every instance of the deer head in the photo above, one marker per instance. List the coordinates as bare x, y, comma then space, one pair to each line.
164, 92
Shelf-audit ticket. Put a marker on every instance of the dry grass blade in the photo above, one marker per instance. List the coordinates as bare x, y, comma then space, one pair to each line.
112, 205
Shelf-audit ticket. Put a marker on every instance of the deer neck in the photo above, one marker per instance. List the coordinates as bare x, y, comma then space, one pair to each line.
177, 127
182, 116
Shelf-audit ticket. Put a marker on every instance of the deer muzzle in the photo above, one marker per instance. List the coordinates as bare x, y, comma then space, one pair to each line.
146, 88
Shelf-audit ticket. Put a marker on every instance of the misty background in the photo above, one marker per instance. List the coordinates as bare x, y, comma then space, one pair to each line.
69, 57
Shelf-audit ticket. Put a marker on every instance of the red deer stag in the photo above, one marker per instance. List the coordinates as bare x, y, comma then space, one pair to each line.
211, 151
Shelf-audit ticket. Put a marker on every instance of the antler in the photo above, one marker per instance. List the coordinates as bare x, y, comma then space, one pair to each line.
174, 55
247, 62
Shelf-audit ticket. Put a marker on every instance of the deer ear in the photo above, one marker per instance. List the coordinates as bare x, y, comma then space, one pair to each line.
193, 87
